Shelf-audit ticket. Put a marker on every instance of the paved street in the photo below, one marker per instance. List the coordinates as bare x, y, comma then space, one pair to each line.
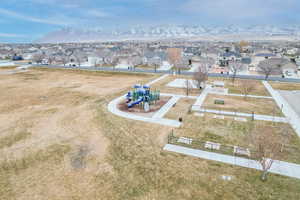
293, 98
255, 77
287, 109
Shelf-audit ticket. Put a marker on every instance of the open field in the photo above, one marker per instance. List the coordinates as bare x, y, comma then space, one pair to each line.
285, 86
236, 86
162, 86
42, 111
244, 105
7, 67
74, 148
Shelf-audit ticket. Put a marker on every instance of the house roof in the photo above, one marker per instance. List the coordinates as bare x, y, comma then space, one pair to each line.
265, 55
230, 54
150, 54
246, 60
289, 66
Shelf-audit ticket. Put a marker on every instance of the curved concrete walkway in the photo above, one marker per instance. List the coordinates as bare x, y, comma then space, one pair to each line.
113, 107
158, 116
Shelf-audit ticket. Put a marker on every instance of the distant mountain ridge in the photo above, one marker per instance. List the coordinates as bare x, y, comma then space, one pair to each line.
165, 32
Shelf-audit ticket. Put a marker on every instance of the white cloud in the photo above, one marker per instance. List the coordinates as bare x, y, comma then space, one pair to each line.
240, 9
55, 20
10, 35
97, 13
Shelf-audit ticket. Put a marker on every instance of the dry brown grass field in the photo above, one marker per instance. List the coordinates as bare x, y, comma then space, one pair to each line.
7, 67
236, 86
161, 85
58, 141
285, 86
228, 131
244, 105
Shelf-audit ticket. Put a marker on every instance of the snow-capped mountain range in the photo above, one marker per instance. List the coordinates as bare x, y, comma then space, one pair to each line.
168, 32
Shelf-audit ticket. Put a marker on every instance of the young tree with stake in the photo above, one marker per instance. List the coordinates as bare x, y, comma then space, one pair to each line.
247, 86
175, 57
187, 87
64, 59
266, 147
200, 76
234, 68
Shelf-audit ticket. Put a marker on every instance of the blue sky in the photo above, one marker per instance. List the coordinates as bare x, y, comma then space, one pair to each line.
27, 20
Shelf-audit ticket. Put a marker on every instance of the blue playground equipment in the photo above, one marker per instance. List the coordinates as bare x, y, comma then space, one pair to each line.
142, 95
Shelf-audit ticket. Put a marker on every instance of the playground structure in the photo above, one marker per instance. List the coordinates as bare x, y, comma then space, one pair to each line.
142, 95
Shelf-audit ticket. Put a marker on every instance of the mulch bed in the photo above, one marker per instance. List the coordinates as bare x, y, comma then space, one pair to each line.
139, 109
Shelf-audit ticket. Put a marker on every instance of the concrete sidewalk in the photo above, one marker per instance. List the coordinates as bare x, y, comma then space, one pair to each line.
239, 114
241, 95
202, 96
163, 110
158, 79
278, 167
178, 95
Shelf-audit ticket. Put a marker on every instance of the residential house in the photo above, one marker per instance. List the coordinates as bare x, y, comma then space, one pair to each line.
228, 56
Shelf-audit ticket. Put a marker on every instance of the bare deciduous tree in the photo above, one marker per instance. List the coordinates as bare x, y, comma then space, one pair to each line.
51, 59
79, 57
234, 68
175, 57
200, 76
247, 86
96, 63
187, 87
156, 62
135, 61
38, 58
266, 68
64, 59
180, 66
114, 61
266, 147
